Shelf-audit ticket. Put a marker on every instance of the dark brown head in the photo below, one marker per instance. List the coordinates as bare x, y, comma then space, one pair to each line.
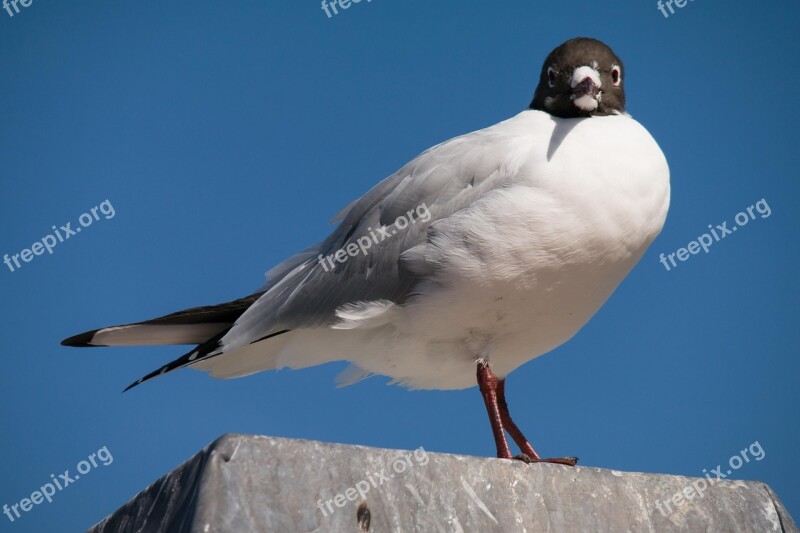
581, 78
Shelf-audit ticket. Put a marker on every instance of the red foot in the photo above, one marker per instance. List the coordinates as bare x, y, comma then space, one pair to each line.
569, 461
494, 396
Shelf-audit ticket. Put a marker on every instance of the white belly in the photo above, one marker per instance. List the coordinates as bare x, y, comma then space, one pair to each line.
523, 269
549, 252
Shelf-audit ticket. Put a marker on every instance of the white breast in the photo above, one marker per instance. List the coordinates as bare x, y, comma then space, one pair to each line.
523, 269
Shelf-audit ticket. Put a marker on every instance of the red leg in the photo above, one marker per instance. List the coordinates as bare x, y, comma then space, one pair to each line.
487, 382
523, 443
494, 395
524, 446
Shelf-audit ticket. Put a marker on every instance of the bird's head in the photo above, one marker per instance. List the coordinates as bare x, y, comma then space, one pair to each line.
581, 78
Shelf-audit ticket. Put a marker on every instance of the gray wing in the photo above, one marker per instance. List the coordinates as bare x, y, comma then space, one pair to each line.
302, 293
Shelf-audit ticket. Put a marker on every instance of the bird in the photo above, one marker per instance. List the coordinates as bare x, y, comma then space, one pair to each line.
480, 254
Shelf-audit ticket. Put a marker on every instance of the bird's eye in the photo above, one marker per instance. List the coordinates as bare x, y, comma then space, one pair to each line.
616, 75
551, 77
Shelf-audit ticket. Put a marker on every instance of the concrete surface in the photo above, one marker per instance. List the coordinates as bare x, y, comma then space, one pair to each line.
245, 483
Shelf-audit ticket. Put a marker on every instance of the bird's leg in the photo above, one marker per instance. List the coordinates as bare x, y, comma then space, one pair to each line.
524, 446
523, 443
493, 391
487, 382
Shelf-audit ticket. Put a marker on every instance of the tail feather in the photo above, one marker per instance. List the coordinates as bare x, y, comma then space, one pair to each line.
190, 326
203, 326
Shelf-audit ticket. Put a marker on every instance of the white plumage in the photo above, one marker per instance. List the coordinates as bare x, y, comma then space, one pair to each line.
568, 207
529, 226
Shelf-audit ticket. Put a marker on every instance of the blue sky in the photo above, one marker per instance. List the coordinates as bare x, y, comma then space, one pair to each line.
225, 136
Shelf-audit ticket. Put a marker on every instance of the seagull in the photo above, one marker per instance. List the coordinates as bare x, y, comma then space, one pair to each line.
485, 252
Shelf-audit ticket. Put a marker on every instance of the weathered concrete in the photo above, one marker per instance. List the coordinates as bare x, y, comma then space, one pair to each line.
244, 483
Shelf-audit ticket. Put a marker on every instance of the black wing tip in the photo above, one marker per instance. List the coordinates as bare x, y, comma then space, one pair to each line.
151, 375
132, 385
180, 362
199, 353
82, 340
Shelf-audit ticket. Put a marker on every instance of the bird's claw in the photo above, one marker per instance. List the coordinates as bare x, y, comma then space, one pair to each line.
569, 461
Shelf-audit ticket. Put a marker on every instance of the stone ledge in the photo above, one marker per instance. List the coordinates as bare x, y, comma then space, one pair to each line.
254, 483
